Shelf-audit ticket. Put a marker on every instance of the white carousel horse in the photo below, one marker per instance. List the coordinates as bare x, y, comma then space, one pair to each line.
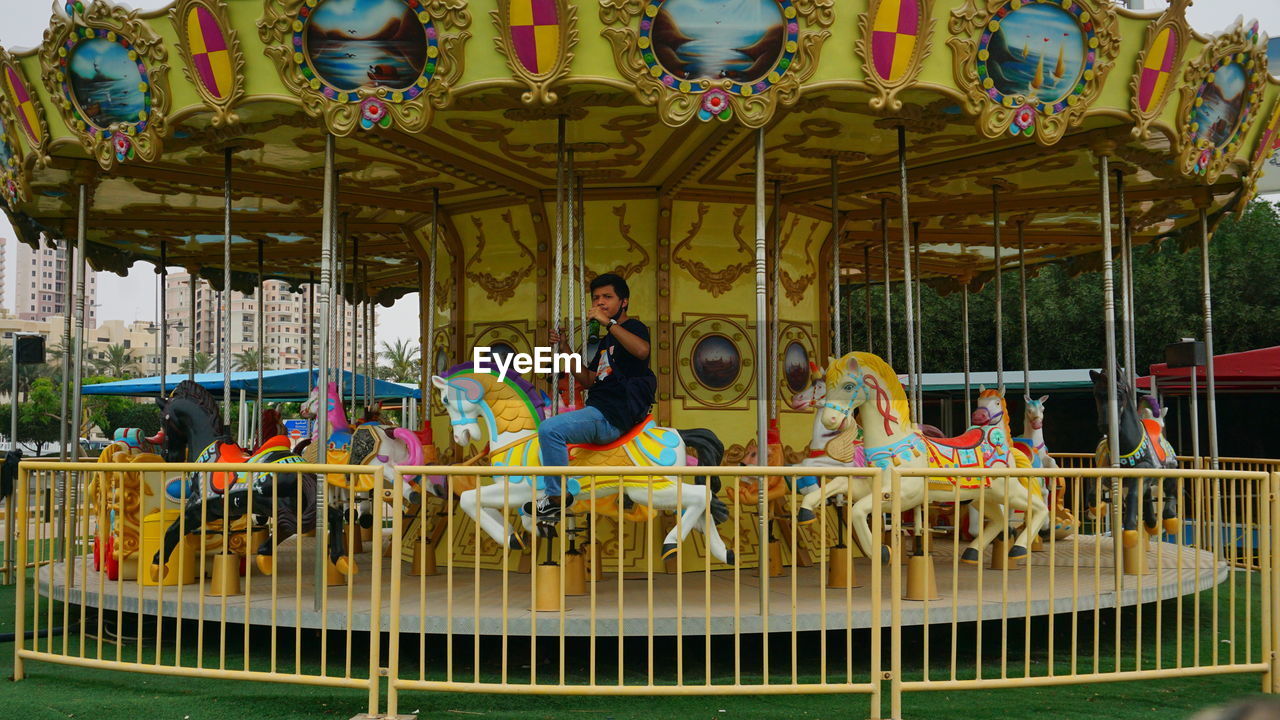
862, 388
480, 403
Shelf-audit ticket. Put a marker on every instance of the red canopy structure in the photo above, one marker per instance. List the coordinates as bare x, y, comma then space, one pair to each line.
1249, 371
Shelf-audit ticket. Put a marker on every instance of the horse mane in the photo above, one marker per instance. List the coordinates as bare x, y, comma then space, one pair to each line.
536, 399
1004, 408
508, 400
892, 384
202, 398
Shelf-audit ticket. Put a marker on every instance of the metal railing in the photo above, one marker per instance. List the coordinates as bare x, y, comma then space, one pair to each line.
611, 607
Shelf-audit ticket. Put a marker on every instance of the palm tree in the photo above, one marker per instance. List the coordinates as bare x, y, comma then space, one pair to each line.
249, 360
402, 362
118, 361
203, 363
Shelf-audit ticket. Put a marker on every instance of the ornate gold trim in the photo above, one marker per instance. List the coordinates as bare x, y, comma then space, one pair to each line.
368, 106
1268, 144
1174, 20
679, 100
887, 88
121, 141
539, 82
1239, 45
180, 15
971, 27
716, 282
500, 289
38, 134
14, 183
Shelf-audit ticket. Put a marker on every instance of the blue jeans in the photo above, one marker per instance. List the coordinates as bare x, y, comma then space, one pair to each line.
578, 427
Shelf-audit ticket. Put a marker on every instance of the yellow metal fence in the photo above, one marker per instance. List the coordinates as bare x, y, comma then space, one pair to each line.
432, 602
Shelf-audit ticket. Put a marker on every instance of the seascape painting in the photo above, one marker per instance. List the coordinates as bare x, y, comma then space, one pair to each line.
105, 83
716, 362
1223, 99
361, 43
740, 40
795, 366
442, 362
1273, 55
1039, 51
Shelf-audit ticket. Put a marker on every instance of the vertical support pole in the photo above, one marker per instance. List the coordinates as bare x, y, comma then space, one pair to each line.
327, 231
311, 321
1022, 304
1126, 302
762, 379
557, 266
164, 317
224, 345
918, 338
904, 197
77, 358
572, 216
838, 349
866, 297
64, 418
998, 267
1109, 328
192, 288
428, 356
1206, 298
775, 282
262, 339
964, 342
888, 301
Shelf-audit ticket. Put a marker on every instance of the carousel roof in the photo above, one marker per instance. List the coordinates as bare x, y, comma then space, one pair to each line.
1002, 103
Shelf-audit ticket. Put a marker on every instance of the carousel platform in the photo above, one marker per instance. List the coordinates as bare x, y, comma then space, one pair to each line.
1077, 581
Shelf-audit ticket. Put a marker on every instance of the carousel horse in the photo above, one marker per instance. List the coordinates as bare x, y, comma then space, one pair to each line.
192, 431
1032, 444
863, 389
827, 448
478, 402
1141, 446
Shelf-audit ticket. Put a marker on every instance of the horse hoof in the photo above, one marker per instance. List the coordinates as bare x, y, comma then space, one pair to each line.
266, 564
366, 521
971, 556
344, 566
157, 573
415, 498
668, 549
1017, 551
1172, 525
1152, 529
515, 542
805, 516
1130, 538
885, 554
730, 559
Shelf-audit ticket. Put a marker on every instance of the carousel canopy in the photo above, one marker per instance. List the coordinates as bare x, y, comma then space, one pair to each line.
1249, 371
1041, 380
280, 385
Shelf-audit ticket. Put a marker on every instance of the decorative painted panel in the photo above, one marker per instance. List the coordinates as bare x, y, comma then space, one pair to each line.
1221, 92
211, 50
537, 37
1158, 65
894, 40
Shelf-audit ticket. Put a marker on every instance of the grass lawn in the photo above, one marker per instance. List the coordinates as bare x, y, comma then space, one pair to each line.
57, 691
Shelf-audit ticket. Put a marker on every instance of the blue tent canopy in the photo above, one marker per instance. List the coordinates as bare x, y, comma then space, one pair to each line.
276, 385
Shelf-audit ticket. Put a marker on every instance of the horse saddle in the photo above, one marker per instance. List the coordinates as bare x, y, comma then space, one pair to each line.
646, 445
968, 441
1154, 434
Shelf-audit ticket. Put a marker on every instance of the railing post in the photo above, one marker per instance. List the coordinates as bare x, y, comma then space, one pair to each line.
20, 607
1271, 628
375, 592
397, 569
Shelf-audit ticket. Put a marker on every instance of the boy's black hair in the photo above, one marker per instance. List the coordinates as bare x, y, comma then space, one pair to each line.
619, 284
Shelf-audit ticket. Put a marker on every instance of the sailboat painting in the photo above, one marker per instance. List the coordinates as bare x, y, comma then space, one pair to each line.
1222, 102
362, 43
1038, 51
741, 40
107, 85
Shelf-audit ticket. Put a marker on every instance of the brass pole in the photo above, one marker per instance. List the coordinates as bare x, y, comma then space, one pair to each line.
906, 262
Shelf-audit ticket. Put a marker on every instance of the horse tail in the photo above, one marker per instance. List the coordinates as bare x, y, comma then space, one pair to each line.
710, 451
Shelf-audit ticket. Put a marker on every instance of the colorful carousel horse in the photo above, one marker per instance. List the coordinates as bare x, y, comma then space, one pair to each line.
192, 431
863, 389
1142, 445
1031, 443
480, 403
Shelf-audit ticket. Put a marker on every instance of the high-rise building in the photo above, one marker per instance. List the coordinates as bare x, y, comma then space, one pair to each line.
286, 335
40, 278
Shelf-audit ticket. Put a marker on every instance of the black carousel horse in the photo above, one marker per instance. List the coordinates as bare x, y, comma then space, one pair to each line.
192, 431
1138, 449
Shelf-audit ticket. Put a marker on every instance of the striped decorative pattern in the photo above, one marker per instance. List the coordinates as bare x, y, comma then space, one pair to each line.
895, 30
1157, 69
535, 34
210, 58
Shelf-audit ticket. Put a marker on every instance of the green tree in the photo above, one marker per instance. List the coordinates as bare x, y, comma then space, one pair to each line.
118, 362
37, 415
250, 360
202, 363
402, 361
27, 373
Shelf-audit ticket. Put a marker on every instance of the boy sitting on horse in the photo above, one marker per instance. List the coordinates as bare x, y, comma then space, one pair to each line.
621, 388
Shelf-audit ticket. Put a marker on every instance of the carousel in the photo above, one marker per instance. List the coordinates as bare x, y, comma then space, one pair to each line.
760, 172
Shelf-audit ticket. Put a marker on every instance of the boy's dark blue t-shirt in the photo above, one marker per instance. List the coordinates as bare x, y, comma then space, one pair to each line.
625, 386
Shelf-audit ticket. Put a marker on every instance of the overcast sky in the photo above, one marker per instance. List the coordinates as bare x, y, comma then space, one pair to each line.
134, 298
